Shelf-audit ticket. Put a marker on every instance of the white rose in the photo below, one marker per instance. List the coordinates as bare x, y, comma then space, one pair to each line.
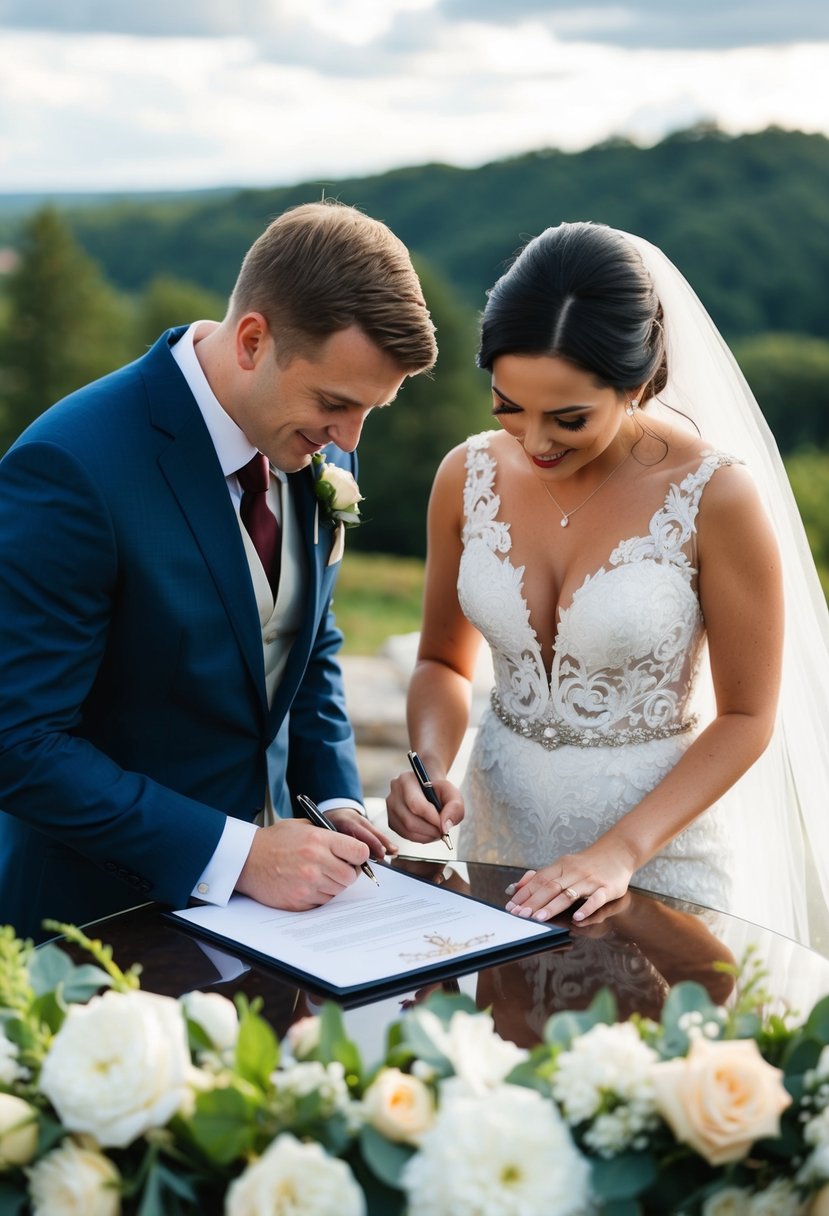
304, 1037
10, 1070
118, 1066
216, 1015
479, 1056
18, 1132
346, 491
399, 1106
75, 1181
730, 1201
507, 1151
294, 1179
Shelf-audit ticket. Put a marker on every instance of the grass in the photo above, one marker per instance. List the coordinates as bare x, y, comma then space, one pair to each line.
376, 596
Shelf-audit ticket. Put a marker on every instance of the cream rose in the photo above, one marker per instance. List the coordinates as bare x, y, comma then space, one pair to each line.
216, 1015
720, 1098
399, 1106
294, 1179
304, 1037
346, 491
18, 1132
75, 1181
118, 1066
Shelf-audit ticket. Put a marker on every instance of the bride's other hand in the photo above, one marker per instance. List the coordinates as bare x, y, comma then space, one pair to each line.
583, 881
412, 816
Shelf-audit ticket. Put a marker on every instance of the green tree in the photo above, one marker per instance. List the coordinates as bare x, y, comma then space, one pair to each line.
401, 447
789, 374
169, 301
808, 472
64, 324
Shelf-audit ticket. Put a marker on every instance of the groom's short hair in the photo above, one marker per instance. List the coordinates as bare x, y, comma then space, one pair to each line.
322, 267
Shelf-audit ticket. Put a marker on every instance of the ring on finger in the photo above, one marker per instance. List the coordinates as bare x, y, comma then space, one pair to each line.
570, 893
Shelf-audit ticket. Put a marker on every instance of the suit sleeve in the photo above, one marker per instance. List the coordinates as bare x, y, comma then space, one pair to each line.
59, 587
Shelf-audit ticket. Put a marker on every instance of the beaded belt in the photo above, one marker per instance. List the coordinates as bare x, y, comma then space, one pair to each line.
562, 735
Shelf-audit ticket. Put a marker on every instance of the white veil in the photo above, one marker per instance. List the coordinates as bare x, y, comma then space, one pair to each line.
780, 808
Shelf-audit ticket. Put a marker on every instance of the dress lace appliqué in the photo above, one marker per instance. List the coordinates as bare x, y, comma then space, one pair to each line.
626, 657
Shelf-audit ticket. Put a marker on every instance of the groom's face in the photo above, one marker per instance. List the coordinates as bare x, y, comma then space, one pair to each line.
291, 411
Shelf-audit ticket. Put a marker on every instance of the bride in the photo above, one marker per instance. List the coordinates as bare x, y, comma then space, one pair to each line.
625, 544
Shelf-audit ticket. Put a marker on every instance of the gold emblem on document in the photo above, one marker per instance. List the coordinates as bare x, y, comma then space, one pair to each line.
445, 947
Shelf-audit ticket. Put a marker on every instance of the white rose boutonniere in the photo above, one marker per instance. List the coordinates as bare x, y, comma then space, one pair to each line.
339, 498
337, 492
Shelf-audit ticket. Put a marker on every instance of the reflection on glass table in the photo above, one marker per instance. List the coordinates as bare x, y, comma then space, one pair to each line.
637, 947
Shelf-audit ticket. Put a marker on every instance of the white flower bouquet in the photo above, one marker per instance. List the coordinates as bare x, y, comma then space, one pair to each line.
119, 1102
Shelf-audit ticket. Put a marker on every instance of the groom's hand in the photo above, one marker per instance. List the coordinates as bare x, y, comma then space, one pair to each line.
296, 866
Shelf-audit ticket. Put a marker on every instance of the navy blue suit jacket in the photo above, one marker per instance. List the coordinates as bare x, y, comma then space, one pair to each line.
133, 712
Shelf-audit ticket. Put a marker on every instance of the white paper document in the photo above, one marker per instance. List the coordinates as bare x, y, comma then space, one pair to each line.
369, 935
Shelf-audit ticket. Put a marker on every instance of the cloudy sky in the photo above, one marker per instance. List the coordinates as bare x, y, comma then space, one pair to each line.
170, 94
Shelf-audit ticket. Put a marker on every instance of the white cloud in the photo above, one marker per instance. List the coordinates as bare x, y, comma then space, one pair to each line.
110, 111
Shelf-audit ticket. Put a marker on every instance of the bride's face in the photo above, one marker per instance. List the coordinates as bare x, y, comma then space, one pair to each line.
558, 413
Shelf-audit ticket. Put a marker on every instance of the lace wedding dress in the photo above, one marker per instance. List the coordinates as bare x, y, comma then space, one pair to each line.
557, 760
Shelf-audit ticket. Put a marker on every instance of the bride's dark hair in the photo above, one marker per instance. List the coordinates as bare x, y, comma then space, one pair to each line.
580, 292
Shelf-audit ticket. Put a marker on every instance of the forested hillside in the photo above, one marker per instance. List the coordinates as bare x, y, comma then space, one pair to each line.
746, 218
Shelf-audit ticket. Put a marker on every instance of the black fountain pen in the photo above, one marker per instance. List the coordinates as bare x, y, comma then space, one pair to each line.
312, 811
427, 789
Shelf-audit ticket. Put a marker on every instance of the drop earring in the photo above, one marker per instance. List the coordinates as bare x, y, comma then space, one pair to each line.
631, 408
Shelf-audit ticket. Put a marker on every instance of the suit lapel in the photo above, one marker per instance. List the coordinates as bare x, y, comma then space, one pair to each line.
192, 470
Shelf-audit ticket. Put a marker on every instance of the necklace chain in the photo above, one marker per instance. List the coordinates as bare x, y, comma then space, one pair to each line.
565, 515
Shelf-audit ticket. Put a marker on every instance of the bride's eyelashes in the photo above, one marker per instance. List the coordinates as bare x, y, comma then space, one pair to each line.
572, 424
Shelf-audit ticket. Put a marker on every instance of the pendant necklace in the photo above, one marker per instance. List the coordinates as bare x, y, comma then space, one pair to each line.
565, 515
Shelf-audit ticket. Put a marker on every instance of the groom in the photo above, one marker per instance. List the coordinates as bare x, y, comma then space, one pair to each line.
168, 653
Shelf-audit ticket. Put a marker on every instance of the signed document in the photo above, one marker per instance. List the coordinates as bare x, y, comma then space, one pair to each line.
375, 939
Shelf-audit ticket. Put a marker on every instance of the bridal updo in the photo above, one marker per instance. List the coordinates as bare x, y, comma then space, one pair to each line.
580, 292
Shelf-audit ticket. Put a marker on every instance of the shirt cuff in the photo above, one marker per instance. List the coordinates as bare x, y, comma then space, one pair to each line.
220, 875
331, 804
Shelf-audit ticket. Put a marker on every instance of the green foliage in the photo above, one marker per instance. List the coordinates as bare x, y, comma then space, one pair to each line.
789, 375
809, 475
401, 447
745, 218
377, 595
65, 325
167, 301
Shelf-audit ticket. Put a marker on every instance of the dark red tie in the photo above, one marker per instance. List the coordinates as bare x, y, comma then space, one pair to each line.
258, 518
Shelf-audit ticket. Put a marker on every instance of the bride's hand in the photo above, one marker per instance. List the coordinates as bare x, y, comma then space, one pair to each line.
585, 881
412, 816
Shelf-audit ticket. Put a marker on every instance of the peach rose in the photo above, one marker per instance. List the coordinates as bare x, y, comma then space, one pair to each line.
720, 1098
399, 1106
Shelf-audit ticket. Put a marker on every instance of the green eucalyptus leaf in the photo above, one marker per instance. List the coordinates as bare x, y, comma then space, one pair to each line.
49, 968
50, 1009
623, 1177
684, 998
83, 982
223, 1124
257, 1050
817, 1023
383, 1157
13, 1198
444, 1004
